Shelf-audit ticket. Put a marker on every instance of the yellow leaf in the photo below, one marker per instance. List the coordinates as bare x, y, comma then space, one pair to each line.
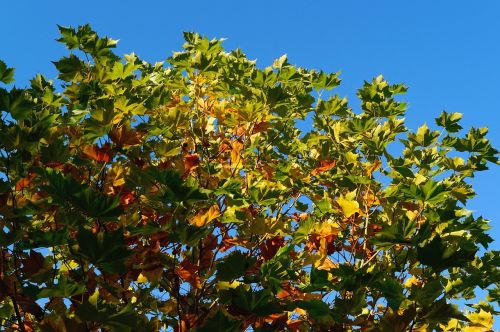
237, 146
203, 218
268, 226
117, 173
225, 285
69, 265
480, 321
419, 178
348, 206
142, 279
329, 227
351, 157
314, 153
412, 281
475, 329
412, 214
300, 312
93, 298
453, 325
210, 125
337, 131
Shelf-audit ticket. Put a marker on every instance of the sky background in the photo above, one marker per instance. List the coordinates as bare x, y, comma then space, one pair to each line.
447, 52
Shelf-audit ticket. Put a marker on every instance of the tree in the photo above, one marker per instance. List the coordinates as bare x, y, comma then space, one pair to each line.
184, 196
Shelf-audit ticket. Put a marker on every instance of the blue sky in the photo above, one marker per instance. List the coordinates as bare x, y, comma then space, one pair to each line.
447, 52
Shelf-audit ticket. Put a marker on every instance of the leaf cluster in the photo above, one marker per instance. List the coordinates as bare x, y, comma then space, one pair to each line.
183, 195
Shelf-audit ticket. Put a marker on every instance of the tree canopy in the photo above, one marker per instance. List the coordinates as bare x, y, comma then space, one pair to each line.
184, 195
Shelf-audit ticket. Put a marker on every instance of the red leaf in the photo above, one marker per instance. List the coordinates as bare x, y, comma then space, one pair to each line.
270, 247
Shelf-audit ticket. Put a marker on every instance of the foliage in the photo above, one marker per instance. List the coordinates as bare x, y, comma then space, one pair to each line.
185, 196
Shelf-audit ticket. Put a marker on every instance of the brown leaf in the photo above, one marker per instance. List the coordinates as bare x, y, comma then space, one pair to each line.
29, 305
186, 323
261, 126
154, 275
124, 136
33, 263
188, 272
295, 325
97, 153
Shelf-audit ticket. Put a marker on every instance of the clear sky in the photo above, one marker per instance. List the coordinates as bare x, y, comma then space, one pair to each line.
447, 52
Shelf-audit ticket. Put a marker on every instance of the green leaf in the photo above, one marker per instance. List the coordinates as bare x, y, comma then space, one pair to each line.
441, 255
404, 171
119, 319
392, 290
174, 188
106, 250
430, 292
424, 137
260, 303
70, 68
449, 121
441, 312
234, 266
6, 74
64, 189
319, 281
220, 322
318, 310
64, 288
397, 233
40, 239
17, 103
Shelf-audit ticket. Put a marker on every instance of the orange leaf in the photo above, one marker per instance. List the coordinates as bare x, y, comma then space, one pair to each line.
240, 131
191, 161
123, 136
229, 242
127, 197
96, 153
372, 167
325, 165
327, 264
203, 218
24, 182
